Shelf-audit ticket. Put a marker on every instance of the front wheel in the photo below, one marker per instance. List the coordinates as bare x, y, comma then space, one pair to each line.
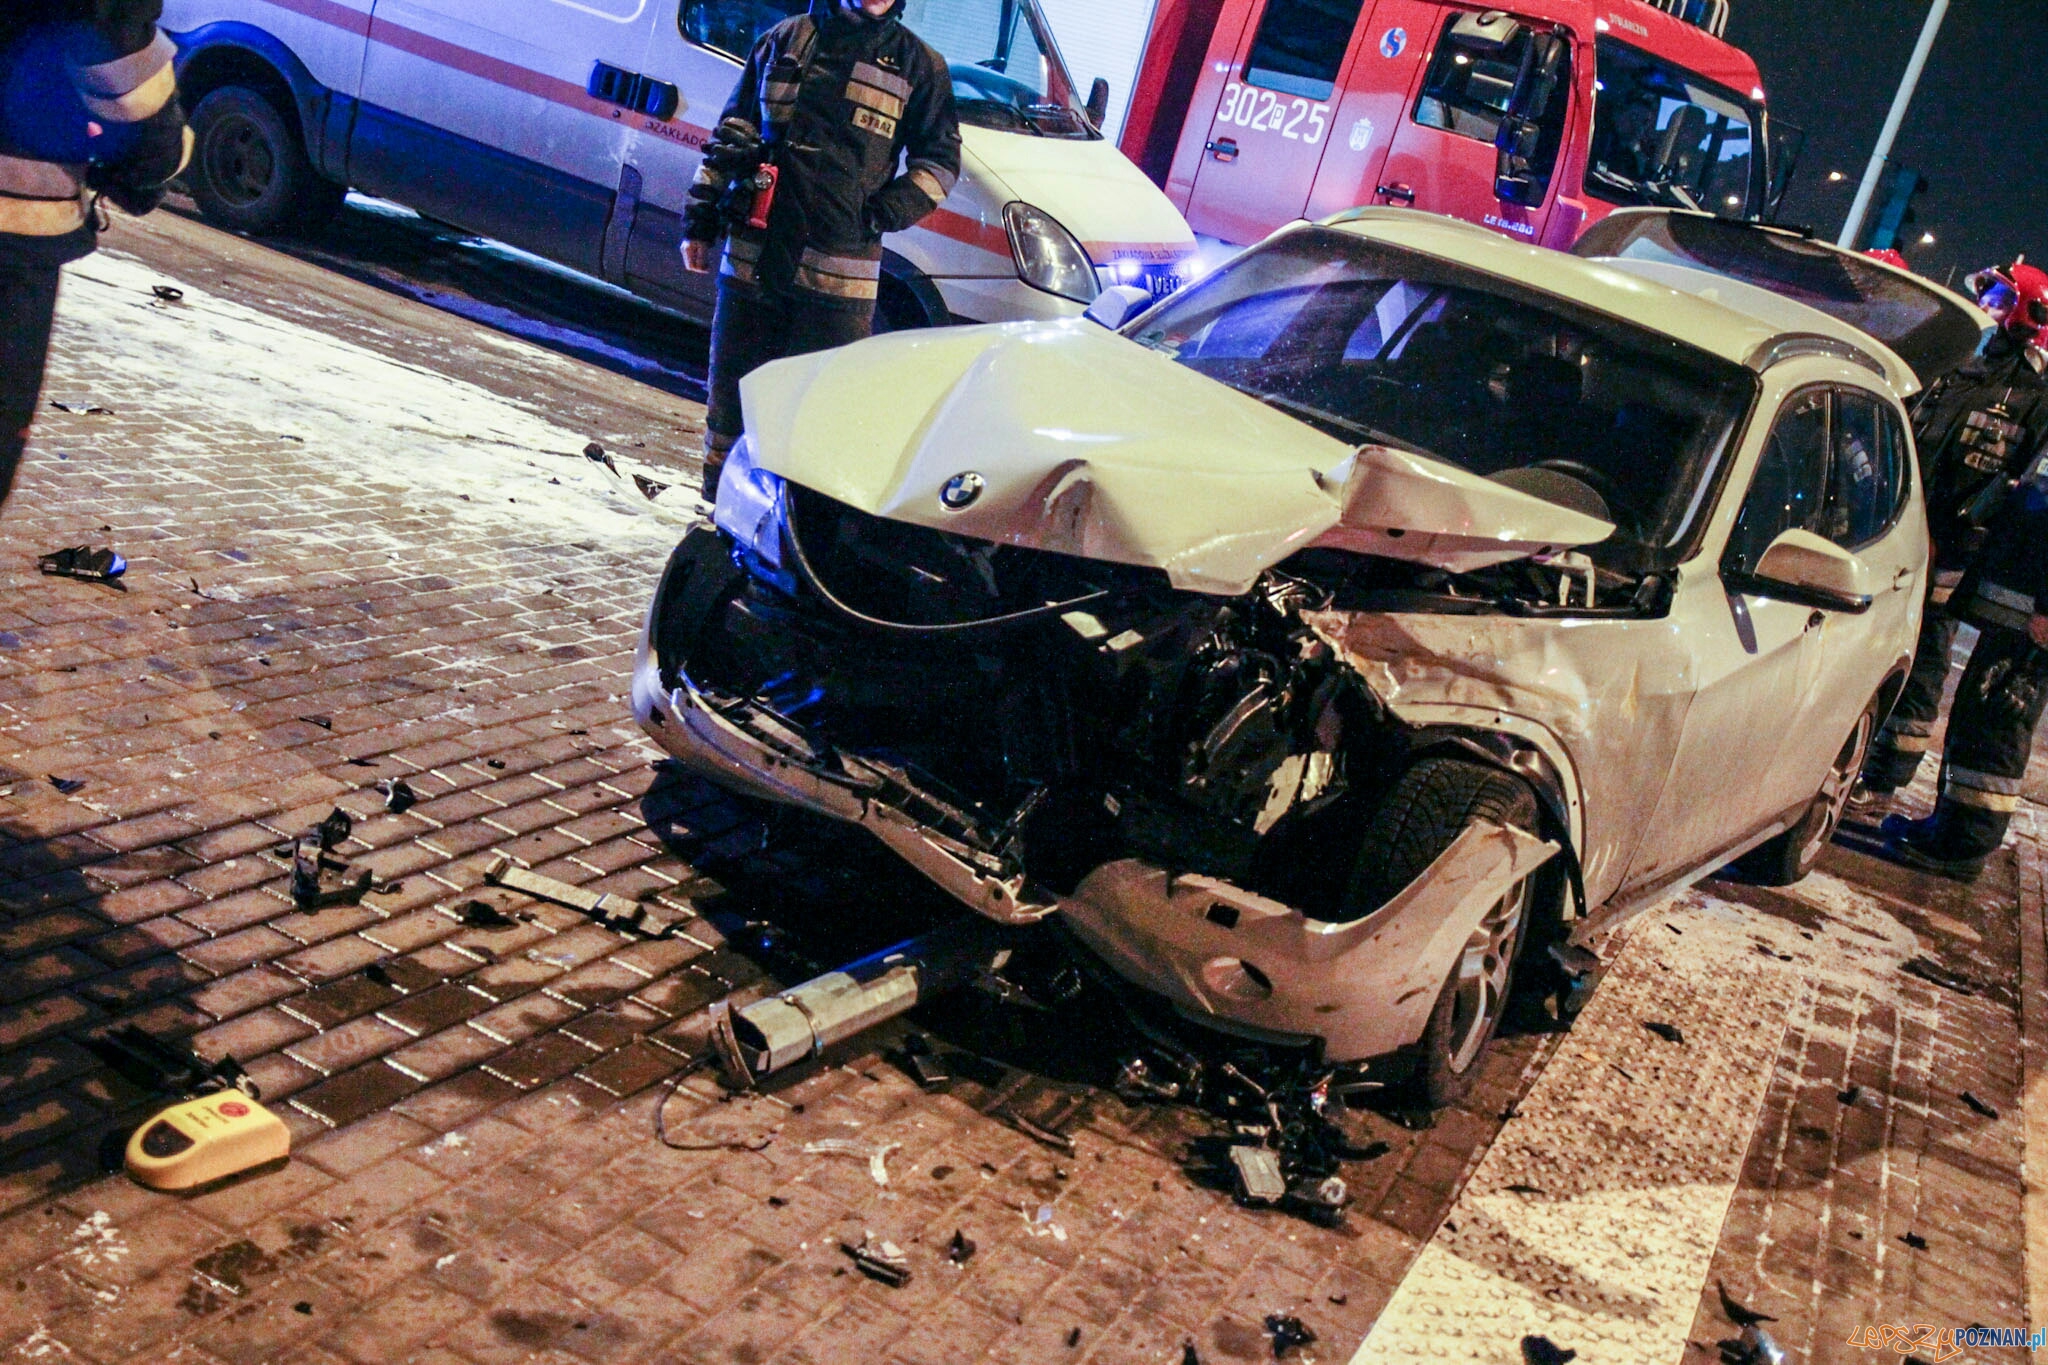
1789, 856
250, 171
1426, 811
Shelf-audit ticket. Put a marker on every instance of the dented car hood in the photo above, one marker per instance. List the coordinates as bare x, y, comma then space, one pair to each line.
1067, 437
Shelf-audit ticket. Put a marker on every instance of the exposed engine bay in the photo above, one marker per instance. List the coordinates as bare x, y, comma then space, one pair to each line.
1050, 714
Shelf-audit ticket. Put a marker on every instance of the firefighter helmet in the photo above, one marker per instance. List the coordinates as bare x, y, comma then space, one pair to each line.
2028, 320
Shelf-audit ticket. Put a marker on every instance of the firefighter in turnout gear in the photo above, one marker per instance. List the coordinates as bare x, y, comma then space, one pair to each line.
801, 181
1991, 419
88, 110
1976, 428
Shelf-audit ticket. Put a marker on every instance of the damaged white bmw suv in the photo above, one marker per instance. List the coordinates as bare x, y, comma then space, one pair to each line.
1316, 641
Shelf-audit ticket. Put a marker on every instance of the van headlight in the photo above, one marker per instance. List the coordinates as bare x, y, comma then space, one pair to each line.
1047, 255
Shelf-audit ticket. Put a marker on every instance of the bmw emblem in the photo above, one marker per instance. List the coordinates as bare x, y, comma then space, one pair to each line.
961, 490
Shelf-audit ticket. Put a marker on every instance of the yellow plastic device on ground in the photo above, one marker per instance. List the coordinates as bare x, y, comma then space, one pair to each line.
204, 1139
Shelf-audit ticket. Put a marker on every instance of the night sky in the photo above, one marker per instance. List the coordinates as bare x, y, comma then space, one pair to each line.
1978, 128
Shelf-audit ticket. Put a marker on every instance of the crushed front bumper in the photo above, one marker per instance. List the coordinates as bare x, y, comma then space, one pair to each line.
1222, 955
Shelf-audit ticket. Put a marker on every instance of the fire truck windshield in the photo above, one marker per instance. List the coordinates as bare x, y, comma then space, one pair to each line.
1664, 137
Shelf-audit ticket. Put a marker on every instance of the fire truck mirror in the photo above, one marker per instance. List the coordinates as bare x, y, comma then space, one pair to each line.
1678, 150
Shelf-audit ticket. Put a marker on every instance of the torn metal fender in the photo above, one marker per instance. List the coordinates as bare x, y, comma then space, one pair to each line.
1238, 960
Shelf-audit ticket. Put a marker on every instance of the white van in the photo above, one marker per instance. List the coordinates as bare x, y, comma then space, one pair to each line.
572, 129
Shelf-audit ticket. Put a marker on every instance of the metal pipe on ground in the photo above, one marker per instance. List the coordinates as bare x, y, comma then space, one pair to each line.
774, 1034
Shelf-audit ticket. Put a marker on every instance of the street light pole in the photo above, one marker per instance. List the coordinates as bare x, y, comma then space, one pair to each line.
1867, 191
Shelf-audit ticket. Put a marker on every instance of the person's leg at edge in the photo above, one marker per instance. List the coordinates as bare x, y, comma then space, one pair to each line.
749, 328
1990, 736
1896, 752
28, 302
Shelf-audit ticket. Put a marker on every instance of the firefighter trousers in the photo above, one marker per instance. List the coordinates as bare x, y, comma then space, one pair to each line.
28, 304
1896, 752
1990, 735
752, 327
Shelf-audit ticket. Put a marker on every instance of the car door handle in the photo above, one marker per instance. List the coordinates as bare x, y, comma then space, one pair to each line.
1398, 191
1902, 580
1223, 149
631, 90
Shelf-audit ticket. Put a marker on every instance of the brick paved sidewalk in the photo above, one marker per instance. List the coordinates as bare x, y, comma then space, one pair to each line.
347, 570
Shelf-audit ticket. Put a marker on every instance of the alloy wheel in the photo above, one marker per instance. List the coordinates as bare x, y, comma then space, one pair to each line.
1484, 966
1835, 789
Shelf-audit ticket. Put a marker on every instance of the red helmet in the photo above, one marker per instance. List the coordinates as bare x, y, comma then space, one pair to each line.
1889, 255
2029, 316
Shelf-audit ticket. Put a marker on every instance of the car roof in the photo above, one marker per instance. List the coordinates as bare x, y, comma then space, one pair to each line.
1723, 317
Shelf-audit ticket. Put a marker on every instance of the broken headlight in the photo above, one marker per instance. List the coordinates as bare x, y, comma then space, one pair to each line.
1047, 255
752, 506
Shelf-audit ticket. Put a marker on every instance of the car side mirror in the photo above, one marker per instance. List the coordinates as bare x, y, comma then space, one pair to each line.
1098, 102
1802, 567
1117, 305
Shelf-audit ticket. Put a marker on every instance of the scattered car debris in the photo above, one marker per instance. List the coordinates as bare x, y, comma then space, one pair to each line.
67, 785
1258, 1174
1737, 1312
613, 910
1340, 1298
1058, 1141
1934, 973
917, 1061
495, 764
1851, 1095
960, 1249
167, 293
1073, 1338
319, 878
84, 563
876, 1157
1670, 1033
1977, 1106
1753, 1347
324, 722
1524, 1189
1538, 1350
399, 797
378, 973
649, 489
82, 406
1288, 1333
879, 1259
1914, 1240
483, 915
596, 454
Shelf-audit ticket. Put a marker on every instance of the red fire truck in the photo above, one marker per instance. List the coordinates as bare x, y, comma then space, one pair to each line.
1535, 120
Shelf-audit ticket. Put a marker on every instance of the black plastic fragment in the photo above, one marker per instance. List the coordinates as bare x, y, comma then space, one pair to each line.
1538, 1350
399, 797
1288, 1333
1978, 1106
1670, 1033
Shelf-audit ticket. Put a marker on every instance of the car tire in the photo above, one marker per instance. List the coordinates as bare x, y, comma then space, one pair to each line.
250, 172
1787, 857
901, 306
1431, 805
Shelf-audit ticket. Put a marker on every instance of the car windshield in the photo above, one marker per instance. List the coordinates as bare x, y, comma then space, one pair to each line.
1007, 73
1374, 344
1663, 137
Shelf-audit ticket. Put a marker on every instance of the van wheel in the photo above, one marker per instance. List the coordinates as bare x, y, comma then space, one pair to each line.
250, 171
1421, 817
1789, 856
899, 307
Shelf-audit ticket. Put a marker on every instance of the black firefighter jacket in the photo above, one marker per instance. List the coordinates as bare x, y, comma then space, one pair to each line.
88, 102
2008, 581
840, 97
1976, 429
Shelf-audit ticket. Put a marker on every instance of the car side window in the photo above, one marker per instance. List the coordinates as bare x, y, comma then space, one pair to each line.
1300, 46
733, 26
1790, 485
1866, 483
